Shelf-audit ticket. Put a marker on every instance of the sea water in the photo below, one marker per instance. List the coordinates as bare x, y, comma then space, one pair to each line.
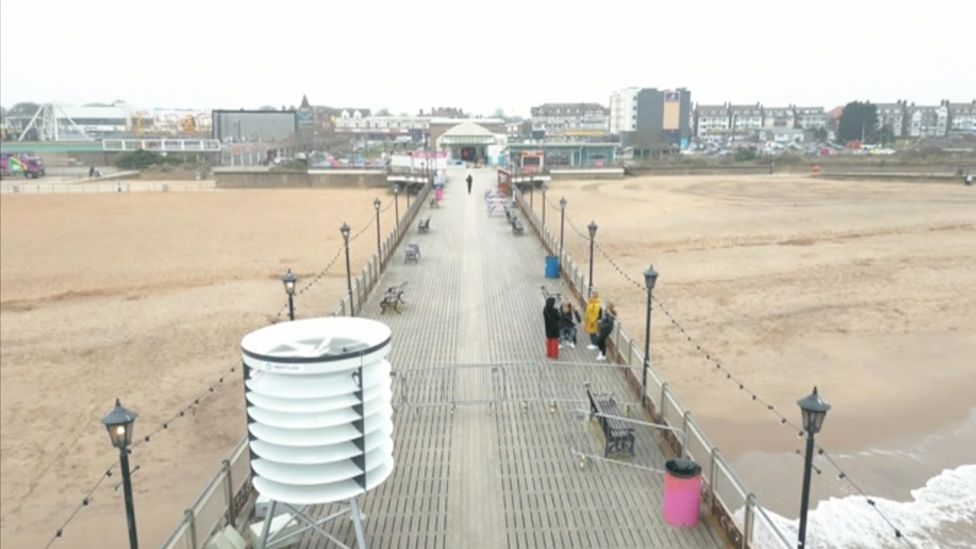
926, 486
940, 514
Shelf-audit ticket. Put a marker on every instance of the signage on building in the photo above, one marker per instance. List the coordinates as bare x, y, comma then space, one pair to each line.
672, 111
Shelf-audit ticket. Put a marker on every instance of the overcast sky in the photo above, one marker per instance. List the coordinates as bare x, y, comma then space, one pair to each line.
482, 55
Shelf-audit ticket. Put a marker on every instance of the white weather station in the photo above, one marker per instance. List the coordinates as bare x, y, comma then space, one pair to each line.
320, 420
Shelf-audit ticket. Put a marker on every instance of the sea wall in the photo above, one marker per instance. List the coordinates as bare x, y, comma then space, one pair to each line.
266, 179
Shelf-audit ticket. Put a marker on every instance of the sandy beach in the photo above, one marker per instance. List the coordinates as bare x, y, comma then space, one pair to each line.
866, 289
144, 297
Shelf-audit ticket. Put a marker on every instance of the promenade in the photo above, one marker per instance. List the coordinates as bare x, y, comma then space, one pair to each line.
487, 430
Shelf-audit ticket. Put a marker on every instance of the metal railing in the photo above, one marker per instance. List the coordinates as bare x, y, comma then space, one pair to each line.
227, 496
162, 145
364, 283
116, 186
736, 510
219, 505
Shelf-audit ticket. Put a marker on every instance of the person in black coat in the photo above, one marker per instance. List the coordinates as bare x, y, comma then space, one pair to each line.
551, 315
469, 180
606, 328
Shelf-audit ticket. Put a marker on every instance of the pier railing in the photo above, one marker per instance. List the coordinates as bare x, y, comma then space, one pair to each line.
732, 507
367, 279
229, 496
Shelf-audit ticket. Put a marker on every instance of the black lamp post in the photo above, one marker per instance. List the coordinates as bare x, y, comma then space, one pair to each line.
531, 194
345, 238
543, 189
396, 204
289, 281
379, 245
650, 279
814, 410
119, 424
592, 228
562, 227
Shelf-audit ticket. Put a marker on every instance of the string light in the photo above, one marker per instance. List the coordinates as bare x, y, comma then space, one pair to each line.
89, 496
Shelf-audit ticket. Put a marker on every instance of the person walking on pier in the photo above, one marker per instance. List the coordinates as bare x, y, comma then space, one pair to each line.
594, 309
568, 319
606, 328
470, 180
551, 316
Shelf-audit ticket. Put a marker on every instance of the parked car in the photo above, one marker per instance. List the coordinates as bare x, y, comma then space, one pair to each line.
12, 164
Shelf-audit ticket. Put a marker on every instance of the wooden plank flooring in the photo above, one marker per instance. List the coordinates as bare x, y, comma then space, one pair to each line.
483, 458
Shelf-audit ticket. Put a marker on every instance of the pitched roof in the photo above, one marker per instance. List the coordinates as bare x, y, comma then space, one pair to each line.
468, 129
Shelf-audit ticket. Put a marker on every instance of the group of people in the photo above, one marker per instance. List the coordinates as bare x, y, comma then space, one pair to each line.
562, 323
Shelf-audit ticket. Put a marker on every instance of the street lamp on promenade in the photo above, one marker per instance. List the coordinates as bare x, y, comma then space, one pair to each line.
379, 245
562, 227
119, 424
345, 239
650, 279
589, 286
814, 410
289, 281
396, 204
543, 189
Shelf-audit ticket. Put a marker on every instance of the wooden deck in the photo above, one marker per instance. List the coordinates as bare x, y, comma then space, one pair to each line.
487, 429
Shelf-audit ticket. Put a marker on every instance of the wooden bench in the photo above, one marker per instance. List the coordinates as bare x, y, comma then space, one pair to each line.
424, 225
496, 205
517, 226
619, 437
411, 252
392, 299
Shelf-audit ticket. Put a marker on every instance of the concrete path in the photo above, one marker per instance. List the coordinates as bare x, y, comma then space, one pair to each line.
487, 430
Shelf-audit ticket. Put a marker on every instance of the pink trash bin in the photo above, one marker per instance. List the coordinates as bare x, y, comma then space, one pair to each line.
682, 492
439, 194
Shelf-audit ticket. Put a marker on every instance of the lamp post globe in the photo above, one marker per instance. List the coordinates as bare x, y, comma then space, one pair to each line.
119, 423
562, 203
376, 204
289, 281
814, 410
650, 278
592, 227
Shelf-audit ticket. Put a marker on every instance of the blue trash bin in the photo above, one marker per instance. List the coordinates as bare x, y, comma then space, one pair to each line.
552, 266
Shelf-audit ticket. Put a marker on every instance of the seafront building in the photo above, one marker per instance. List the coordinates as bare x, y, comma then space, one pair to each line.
571, 120
649, 122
